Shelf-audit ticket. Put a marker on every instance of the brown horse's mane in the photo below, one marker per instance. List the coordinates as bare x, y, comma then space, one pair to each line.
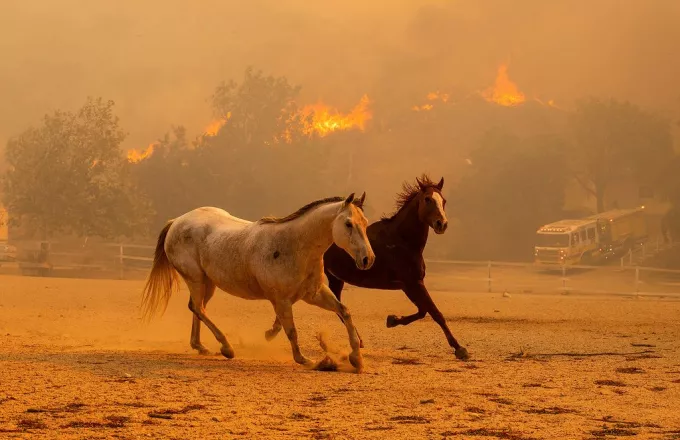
409, 191
305, 209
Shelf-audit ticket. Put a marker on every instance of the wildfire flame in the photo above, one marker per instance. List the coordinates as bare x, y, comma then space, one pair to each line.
325, 120
504, 92
134, 156
432, 96
215, 126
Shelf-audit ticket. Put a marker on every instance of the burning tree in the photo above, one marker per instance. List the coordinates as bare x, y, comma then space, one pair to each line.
68, 176
263, 154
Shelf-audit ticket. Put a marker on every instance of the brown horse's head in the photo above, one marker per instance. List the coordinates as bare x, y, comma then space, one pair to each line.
424, 199
431, 204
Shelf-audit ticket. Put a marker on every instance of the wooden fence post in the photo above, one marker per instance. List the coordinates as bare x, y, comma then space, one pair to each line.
489, 277
121, 262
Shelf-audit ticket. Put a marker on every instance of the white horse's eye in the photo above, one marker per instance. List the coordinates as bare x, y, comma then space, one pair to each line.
348, 224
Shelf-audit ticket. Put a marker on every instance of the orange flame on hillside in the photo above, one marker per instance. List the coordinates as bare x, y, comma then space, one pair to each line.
504, 92
325, 120
215, 126
432, 96
134, 156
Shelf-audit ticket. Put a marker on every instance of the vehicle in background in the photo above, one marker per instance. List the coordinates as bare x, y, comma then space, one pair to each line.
592, 240
620, 230
567, 242
8, 253
35, 260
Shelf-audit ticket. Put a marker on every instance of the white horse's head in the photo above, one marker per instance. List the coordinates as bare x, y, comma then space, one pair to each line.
349, 232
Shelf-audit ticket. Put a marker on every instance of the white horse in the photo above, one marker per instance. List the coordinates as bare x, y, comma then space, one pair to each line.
277, 259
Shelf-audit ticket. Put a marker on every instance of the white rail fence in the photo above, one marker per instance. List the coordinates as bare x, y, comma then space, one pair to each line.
122, 260
495, 276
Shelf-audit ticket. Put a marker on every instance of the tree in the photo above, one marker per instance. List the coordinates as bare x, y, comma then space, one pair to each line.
68, 175
514, 185
259, 111
179, 177
617, 141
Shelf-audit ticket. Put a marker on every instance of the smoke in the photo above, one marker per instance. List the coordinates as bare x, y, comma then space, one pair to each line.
160, 60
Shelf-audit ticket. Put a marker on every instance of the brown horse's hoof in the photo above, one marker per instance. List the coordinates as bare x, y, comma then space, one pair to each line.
391, 321
227, 352
462, 354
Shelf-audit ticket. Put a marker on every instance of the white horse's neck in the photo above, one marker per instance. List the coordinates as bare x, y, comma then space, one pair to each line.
315, 230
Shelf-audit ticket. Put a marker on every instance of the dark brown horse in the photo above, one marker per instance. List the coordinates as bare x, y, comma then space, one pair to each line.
398, 242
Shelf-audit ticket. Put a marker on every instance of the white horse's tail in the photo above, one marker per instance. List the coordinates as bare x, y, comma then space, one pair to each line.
162, 280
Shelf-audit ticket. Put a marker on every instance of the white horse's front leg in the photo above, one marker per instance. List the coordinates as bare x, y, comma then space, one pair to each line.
325, 299
284, 314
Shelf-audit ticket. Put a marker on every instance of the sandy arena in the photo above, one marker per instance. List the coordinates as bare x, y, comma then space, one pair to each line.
76, 362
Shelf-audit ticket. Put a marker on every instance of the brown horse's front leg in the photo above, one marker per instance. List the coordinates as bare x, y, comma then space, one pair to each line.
418, 294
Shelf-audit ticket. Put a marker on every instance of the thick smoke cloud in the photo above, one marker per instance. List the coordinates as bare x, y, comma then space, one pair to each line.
160, 60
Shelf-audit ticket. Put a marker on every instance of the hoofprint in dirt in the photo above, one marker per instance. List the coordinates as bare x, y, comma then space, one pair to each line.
75, 362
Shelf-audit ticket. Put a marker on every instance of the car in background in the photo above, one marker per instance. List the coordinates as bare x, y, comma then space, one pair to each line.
8, 252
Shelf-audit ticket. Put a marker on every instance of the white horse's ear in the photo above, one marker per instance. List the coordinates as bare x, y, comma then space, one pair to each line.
440, 185
349, 199
362, 199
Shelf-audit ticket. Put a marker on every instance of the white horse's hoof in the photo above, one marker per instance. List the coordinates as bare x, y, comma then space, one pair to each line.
227, 352
270, 334
303, 360
357, 361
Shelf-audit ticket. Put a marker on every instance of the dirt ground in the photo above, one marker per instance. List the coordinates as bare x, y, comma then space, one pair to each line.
76, 362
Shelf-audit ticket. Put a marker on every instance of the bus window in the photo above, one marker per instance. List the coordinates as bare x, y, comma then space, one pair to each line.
583, 235
590, 233
574, 239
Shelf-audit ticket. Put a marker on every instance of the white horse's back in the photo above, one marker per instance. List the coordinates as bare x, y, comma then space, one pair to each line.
210, 241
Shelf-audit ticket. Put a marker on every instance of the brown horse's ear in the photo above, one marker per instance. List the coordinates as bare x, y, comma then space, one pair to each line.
440, 185
349, 199
421, 185
361, 200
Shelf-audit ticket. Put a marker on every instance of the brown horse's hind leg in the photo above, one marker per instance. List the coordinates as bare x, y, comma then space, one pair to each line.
199, 292
196, 322
419, 295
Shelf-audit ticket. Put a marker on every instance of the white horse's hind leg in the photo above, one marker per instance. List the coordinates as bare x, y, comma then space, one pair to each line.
274, 331
196, 322
284, 314
198, 293
325, 299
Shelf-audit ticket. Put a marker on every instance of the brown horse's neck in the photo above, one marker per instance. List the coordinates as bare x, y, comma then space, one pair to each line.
409, 227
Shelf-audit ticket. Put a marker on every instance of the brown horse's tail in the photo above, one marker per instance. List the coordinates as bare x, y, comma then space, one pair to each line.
162, 280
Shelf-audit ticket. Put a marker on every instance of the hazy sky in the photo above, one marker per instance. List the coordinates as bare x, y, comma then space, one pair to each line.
161, 59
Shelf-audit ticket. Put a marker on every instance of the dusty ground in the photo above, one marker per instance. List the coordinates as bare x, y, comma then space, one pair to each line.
75, 362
